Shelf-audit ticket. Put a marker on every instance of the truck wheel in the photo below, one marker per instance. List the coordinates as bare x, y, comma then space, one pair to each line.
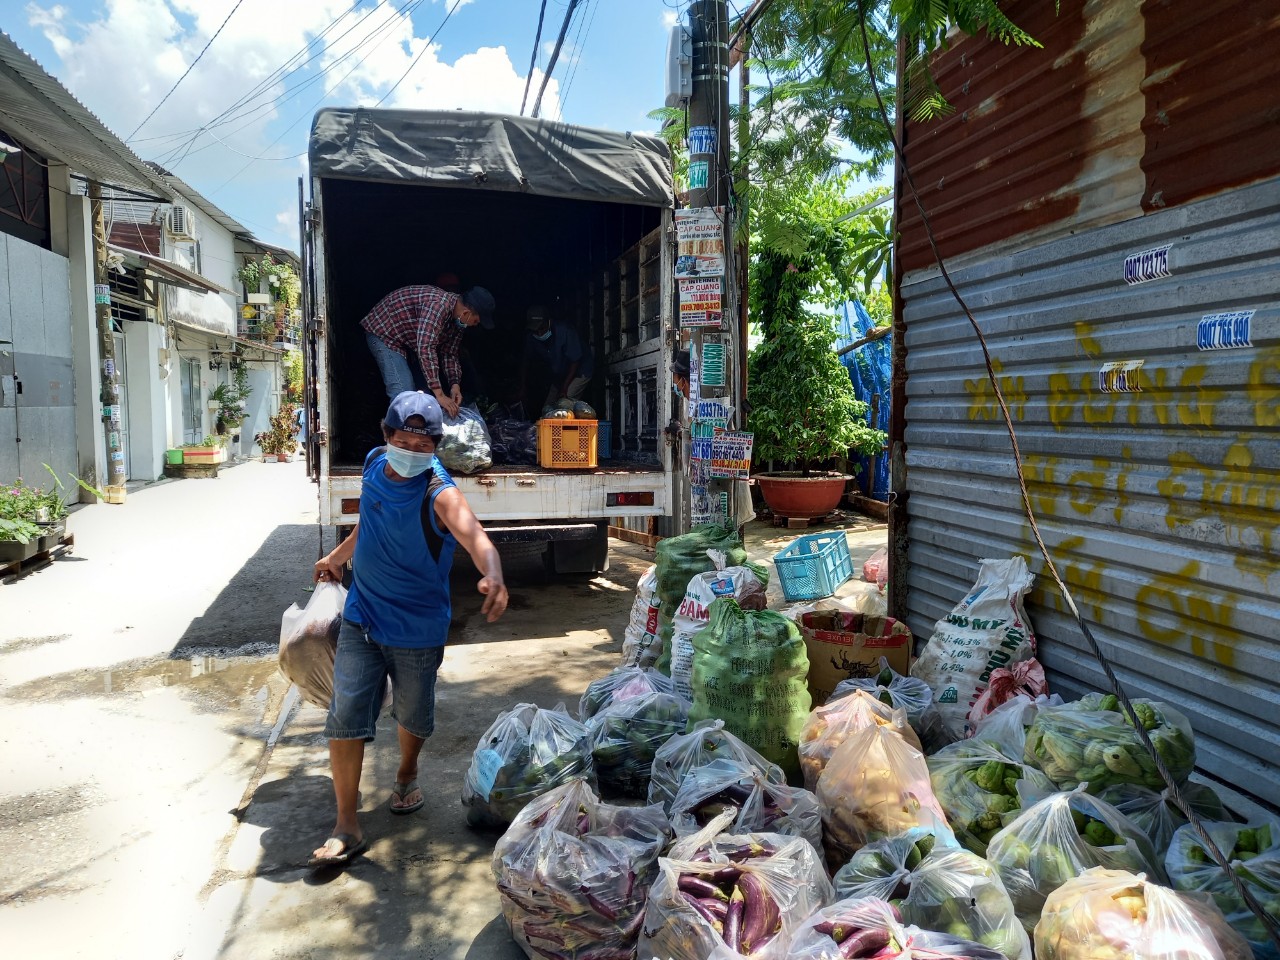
580, 558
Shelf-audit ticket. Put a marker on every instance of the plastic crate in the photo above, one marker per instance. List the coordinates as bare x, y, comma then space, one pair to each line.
567, 444
604, 439
813, 566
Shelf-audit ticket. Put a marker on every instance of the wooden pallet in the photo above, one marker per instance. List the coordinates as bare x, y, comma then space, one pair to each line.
804, 523
17, 569
188, 471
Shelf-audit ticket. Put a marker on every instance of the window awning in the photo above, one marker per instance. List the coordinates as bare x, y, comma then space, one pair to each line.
218, 335
166, 271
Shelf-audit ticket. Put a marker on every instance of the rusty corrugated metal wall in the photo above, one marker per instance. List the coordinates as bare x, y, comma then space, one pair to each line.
1150, 433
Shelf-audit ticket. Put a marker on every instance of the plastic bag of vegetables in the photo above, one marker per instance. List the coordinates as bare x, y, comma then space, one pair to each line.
627, 734
868, 927
1090, 741
981, 789
707, 741
937, 885
574, 873
751, 669
1113, 915
1006, 725
1059, 838
757, 804
1254, 851
524, 753
466, 445
624, 683
836, 721
1156, 814
742, 901
891, 688
876, 785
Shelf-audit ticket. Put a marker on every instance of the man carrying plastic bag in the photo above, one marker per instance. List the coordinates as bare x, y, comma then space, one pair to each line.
396, 618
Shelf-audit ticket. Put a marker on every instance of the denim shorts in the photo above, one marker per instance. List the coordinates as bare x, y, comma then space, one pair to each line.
360, 671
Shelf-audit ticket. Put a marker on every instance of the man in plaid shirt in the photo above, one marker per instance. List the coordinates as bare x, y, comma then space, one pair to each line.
429, 322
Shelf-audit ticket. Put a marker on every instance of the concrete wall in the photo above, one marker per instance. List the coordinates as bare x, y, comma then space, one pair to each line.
217, 262
264, 381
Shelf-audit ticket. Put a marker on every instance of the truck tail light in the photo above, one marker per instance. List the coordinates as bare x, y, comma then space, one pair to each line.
350, 505
629, 499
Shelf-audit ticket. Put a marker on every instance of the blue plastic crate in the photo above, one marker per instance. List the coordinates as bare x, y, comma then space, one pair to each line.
604, 439
813, 566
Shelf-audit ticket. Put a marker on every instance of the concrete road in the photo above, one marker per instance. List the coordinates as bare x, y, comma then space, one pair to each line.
160, 784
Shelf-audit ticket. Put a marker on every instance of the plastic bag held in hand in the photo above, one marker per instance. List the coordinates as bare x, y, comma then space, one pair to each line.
1024, 678
939, 887
754, 803
466, 446
309, 641
1113, 915
868, 927
1059, 838
737, 896
833, 723
876, 785
574, 874
524, 753
1254, 851
707, 741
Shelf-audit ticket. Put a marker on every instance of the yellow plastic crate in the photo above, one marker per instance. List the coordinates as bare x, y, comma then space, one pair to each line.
568, 444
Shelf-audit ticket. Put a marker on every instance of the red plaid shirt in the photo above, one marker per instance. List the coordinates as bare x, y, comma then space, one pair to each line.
420, 318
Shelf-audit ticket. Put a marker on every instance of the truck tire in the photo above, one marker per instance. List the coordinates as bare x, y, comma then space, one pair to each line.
580, 557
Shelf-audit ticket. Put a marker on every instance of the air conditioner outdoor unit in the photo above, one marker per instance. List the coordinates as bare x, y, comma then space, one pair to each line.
180, 222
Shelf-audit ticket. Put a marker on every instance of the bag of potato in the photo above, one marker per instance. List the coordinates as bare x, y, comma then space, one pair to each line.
833, 723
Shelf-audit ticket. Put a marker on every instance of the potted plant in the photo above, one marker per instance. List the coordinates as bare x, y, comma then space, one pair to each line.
232, 401
277, 442
19, 533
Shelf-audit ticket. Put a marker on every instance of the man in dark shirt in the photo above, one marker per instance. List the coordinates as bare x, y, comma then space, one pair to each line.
429, 322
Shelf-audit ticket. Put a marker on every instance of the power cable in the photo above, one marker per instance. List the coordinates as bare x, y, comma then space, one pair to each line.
579, 44
425, 47
1270, 923
533, 57
555, 55
185, 72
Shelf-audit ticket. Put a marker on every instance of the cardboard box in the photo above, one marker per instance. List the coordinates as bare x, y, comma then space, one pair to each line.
844, 646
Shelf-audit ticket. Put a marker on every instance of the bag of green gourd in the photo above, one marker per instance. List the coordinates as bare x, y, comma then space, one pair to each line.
981, 789
751, 670
1059, 838
626, 735
876, 785
746, 584
526, 752
755, 804
1006, 726
1253, 850
1156, 815
938, 886
707, 741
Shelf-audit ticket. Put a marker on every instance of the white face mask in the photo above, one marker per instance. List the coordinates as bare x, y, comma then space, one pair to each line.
409, 463
542, 337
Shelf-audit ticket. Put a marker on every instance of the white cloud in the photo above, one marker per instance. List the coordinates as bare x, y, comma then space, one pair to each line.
287, 223
669, 19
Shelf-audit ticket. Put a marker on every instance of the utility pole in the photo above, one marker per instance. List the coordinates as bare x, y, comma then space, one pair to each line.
110, 396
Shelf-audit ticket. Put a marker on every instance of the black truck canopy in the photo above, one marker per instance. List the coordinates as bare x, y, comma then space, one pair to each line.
492, 152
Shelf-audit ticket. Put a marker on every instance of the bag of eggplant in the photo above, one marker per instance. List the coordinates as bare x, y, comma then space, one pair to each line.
707, 741
574, 874
754, 803
867, 927
741, 894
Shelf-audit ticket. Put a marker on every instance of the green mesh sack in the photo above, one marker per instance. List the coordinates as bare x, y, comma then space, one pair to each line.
679, 560
751, 670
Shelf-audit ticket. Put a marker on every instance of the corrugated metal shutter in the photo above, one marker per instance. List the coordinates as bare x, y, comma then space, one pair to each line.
1160, 505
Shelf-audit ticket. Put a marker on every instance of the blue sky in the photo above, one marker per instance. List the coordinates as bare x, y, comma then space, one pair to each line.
119, 57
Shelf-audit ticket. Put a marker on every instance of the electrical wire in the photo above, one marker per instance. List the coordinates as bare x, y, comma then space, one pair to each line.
533, 57
1270, 923
185, 72
555, 55
425, 47
579, 44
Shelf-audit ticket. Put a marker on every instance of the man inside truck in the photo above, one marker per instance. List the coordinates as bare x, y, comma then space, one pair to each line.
425, 322
554, 354
396, 619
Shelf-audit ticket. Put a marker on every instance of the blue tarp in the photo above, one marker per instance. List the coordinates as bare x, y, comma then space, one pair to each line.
871, 370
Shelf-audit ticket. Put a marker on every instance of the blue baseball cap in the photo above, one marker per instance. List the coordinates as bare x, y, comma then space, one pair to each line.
481, 301
415, 403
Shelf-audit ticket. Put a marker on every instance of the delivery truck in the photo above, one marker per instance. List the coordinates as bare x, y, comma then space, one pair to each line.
577, 221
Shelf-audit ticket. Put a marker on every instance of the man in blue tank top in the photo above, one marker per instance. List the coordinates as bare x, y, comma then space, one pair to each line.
396, 620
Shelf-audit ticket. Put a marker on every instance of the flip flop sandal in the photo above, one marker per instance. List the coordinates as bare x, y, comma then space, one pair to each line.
351, 847
402, 790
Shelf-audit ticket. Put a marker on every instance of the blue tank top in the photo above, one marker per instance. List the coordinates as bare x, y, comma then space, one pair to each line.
400, 571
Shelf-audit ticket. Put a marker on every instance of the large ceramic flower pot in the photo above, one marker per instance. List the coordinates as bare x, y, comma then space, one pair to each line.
799, 497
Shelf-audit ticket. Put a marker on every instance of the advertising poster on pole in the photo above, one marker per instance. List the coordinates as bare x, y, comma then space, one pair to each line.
731, 455
699, 243
700, 302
